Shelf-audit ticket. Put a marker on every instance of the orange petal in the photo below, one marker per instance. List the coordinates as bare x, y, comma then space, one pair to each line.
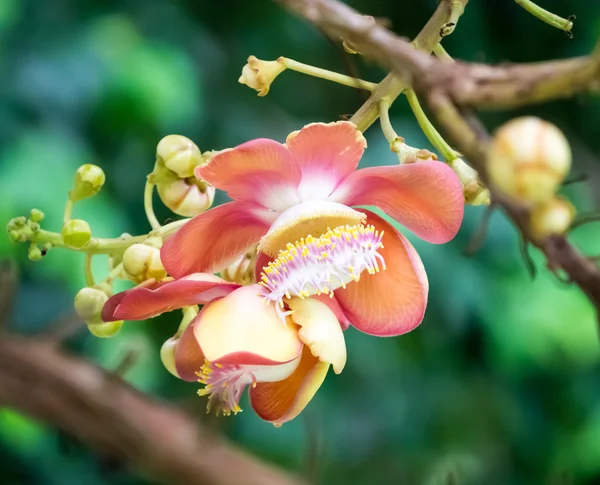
153, 298
213, 240
391, 302
282, 401
425, 197
262, 170
242, 325
320, 331
326, 153
189, 358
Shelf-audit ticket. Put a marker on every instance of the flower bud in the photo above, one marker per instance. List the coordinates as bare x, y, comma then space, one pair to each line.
76, 233
551, 218
34, 253
240, 271
259, 75
105, 329
36, 215
187, 197
142, 262
528, 159
89, 303
167, 355
179, 154
89, 179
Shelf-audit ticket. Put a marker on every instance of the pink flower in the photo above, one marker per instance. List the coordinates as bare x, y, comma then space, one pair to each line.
237, 341
282, 193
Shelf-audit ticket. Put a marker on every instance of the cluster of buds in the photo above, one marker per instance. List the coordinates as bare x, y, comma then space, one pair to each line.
22, 229
178, 188
528, 160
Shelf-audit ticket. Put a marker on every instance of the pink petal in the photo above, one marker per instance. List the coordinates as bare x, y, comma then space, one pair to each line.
393, 301
188, 355
148, 300
213, 240
260, 170
326, 153
282, 401
426, 197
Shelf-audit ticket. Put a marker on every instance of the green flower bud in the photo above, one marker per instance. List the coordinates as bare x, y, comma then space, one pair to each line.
89, 179
105, 330
141, 262
179, 154
89, 303
34, 253
15, 236
167, 355
36, 215
76, 233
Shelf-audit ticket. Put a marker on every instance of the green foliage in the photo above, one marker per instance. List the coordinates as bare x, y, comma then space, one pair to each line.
500, 383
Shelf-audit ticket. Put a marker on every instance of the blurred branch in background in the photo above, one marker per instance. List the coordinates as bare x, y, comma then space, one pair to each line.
104, 412
449, 88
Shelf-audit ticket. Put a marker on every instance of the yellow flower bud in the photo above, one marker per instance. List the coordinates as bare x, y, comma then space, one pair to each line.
89, 179
179, 154
76, 233
241, 271
528, 159
187, 197
551, 218
89, 303
105, 330
142, 262
259, 75
167, 355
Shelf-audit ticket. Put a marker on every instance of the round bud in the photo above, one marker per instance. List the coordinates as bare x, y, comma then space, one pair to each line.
167, 355
179, 154
76, 233
34, 253
187, 197
89, 303
528, 159
142, 262
551, 218
105, 329
36, 215
89, 179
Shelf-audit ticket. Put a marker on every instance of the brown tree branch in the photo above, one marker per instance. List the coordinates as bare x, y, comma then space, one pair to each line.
450, 86
103, 411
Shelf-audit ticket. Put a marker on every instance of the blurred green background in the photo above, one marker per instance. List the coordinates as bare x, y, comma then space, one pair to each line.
499, 385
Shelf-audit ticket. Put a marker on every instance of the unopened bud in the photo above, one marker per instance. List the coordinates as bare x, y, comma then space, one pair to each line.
179, 154
528, 159
89, 179
105, 329
187, 197
142, 262
34, 253
259, 75
167, 355
240, 271
551, 218
36, 215
76, 233
89, 303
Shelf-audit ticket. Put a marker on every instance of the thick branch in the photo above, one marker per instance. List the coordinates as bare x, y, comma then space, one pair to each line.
502, 86
101, 410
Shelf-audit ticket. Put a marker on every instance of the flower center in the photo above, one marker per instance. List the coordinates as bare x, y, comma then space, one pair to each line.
320, 265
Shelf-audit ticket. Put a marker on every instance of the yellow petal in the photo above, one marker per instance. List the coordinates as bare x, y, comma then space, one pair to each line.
320, 331
242, 323
311, 217
282, 401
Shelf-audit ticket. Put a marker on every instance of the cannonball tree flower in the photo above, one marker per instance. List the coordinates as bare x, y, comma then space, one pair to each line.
284, 193
237, 341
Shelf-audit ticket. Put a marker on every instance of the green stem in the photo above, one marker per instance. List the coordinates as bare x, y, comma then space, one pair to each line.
148, 192
548, 17
87, 269
68, 210
106, 245
432, 134
441, 53
327, 75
